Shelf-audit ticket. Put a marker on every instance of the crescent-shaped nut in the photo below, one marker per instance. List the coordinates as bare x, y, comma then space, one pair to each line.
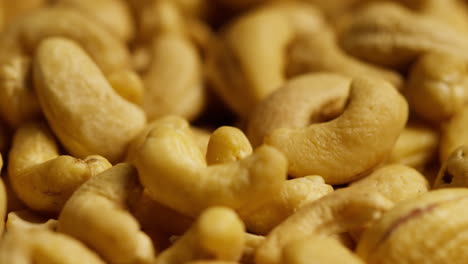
454, 171
345, 148
401, 235
345, 209
96, 215
20, 40
218, 234
41, 178
454, 134
442, 80
185, 183
40, 245
173, 82
390, 35
248, 62
321, 250
81, 107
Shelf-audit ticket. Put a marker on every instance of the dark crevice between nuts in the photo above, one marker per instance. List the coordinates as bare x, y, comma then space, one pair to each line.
448, 177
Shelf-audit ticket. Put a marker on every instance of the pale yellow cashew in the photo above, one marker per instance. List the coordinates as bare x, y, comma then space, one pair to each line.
249, 60
345, 148
318, 250
41, 178
454, 171
96, 215
454, 134
345, 209
217, 234
39, 245
186, 184
227, 144
20, 40
128, 84
81, 107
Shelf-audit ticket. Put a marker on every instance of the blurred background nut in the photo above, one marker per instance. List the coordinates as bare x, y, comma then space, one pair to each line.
41, 178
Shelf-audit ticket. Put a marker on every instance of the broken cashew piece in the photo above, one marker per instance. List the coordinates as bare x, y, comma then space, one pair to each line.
345, 148
217, 234
96, 215
240, 185
406, 226
81, 107
454, 171
41, 178
345, 209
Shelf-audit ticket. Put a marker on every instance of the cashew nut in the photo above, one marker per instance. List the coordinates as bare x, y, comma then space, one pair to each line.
26, 220
98, 121
95, 215
345, 148
217, 234
41, 178
454, 171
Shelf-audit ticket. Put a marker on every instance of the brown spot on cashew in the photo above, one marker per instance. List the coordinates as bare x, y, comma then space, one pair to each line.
96, 215
454, 171
41, 178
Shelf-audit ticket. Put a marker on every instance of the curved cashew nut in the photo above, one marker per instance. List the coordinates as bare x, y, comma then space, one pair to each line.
406, 226
41, 178
218, 234
182, 169
249, 62
390, 35
98, 121
19, 41
442, 80
454, 134
343, 149
39, 245
454, 171
86, 216
321, 250
345, 209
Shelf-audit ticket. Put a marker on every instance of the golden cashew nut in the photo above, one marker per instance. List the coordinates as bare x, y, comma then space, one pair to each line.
185, 183
345, 148
96, 215
416, 146
39, 245
454, 171
390, 35
41, 178
321, 250
442, 80
454, 134
217, 234
81, 107
19, 41
401, 235
345, 209
248, 62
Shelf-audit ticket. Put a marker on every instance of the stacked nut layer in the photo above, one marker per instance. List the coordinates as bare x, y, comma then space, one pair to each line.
233, 131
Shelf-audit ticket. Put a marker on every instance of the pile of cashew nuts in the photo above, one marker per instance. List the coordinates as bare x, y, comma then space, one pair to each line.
233, 131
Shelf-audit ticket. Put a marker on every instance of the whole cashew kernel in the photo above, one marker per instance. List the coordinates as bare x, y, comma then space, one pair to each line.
240, 185
407, 225
454, 171
356, 141
217, 234
96, 215
98, 121
41, 178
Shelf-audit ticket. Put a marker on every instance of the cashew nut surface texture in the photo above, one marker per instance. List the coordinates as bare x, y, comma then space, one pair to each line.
81, 107
41, 178
20, 40
217, 234
181, 179
438, 213
96, 215
356, 141
25, 219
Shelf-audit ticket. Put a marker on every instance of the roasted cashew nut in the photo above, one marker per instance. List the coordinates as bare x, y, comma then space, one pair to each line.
20, 40
345, 209
401, 235
41, 178
186, 184
454, 171
217, 234
345, 148
96, 215
81, 107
